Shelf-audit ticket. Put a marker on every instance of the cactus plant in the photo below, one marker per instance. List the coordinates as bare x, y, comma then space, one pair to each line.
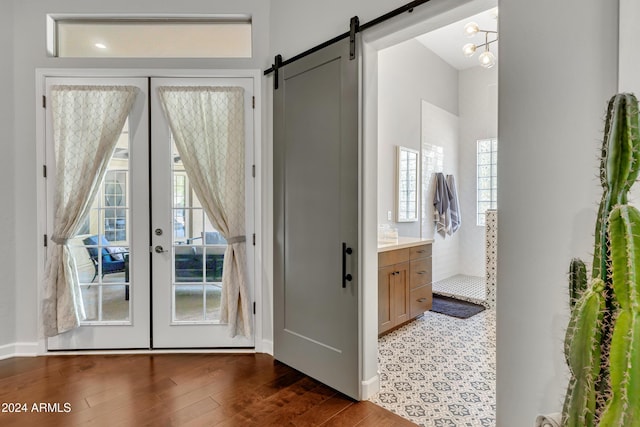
577, 280
602, 344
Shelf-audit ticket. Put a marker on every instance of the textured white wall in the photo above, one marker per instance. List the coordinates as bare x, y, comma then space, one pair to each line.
555, 78
478, 106
7, 179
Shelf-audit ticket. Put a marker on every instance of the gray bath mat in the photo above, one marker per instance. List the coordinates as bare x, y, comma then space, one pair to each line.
454, 307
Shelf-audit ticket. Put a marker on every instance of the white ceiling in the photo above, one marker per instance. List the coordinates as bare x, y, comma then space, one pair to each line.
447, 41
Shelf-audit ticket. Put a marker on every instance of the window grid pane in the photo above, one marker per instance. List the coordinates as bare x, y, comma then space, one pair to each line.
487, 183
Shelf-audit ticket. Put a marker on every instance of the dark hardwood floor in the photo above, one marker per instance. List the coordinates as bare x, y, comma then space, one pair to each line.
174, 390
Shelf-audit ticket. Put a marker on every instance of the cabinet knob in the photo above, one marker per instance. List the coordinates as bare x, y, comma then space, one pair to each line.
422, 299
421, 272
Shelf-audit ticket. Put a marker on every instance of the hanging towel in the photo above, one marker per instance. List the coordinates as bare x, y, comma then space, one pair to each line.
454, 205
441, 205
551, 420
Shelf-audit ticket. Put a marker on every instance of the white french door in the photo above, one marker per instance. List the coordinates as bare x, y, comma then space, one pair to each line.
111, 251
149, 262
188, 251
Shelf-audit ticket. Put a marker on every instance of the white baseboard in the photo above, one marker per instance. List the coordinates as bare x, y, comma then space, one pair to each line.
32, 349
267, 347
369, 387
19, 349
7, 351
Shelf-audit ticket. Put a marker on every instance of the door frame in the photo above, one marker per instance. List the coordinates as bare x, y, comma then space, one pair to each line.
261, 345
402, 28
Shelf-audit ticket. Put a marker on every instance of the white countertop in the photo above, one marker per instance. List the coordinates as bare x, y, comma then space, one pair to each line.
402, 242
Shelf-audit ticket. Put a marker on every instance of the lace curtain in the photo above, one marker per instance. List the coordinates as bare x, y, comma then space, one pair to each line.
87, 121
207, 124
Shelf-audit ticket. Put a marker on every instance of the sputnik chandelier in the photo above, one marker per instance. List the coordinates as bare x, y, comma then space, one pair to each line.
486, 58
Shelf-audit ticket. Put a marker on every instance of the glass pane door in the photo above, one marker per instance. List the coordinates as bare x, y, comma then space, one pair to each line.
110, 251
188, 251
198, 254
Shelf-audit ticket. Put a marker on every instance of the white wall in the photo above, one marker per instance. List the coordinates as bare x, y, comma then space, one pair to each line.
7, 213
555, 78
440, 128
300, 25
478, 107
30, 53
408, 73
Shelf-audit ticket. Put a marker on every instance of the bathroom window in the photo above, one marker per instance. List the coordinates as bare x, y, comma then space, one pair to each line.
487, 173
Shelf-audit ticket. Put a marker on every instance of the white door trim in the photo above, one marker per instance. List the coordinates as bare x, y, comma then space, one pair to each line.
41, 203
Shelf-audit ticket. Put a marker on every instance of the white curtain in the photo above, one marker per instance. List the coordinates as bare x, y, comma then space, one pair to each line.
207, 124
87, 121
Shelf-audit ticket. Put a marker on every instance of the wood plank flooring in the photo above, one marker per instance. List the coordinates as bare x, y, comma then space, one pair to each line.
174, 390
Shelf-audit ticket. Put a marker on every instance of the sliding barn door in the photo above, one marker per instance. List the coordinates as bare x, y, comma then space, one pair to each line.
316, 217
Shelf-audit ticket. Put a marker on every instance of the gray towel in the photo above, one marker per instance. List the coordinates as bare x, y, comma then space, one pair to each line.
551, 420
441, 205
454, 205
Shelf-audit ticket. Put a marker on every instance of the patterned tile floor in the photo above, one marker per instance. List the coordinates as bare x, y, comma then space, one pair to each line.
466, 288
440, 371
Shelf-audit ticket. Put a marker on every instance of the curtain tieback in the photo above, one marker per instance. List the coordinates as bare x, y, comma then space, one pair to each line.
236, 239
59, 240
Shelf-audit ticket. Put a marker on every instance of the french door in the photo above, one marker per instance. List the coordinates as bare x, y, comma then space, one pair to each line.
187, 250
148, 260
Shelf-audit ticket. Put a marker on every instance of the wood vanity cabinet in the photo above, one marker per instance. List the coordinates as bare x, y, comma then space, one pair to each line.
404, 285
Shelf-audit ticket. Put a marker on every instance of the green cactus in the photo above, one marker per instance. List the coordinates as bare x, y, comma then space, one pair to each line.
577, 280
623, 408
602, 344
583, 355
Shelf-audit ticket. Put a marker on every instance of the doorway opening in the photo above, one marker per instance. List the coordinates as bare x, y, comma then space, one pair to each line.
431, 99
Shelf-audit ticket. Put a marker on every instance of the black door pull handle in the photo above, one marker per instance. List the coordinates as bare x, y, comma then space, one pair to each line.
345, 277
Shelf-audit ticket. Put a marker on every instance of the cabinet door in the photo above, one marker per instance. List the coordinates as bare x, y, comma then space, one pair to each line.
400, 294
386, 279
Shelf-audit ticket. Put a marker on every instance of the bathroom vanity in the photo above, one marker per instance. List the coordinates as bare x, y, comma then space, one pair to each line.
404, 281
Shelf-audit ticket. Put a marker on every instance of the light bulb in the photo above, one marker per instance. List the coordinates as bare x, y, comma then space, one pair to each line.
487, 60
100, 45
471, 29
469, 49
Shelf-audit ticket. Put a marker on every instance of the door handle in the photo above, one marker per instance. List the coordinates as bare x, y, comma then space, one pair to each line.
345, 277
159, 249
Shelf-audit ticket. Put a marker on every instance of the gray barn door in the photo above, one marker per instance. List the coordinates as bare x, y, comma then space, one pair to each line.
316, 217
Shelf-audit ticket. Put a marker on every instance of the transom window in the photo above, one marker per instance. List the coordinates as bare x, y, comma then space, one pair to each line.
149, 37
